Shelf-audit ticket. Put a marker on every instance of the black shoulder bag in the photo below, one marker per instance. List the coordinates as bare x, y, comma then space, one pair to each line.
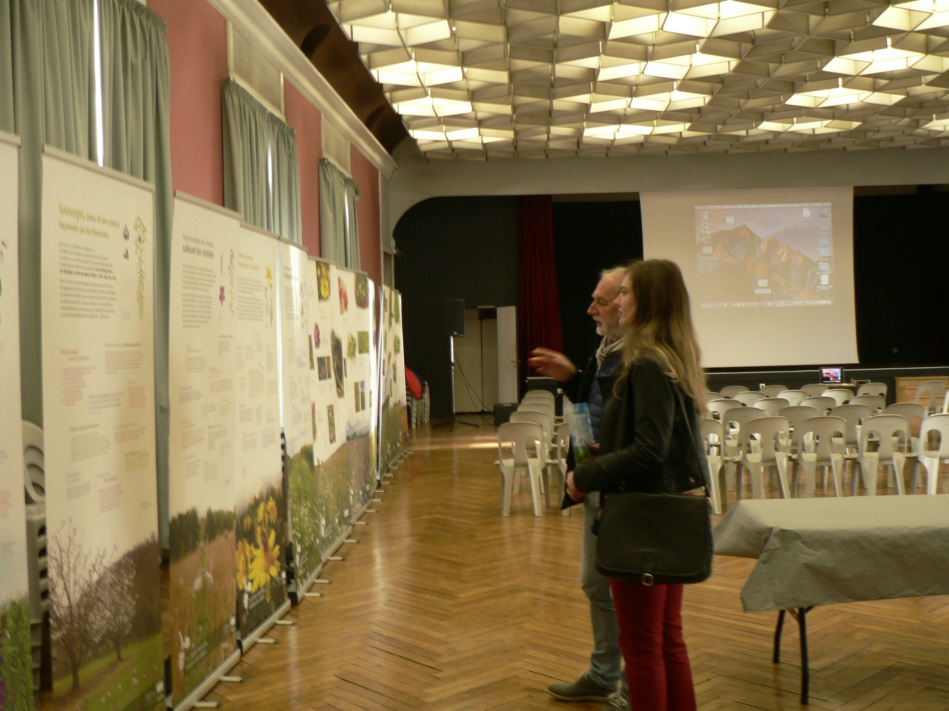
656, 538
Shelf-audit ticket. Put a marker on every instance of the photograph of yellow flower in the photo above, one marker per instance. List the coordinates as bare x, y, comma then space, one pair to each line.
261, 578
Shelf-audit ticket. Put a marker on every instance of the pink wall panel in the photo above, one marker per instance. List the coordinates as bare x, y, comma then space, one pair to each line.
197, 43
305, 118
370, 249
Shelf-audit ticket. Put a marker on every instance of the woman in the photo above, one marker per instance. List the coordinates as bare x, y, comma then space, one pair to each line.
649, 438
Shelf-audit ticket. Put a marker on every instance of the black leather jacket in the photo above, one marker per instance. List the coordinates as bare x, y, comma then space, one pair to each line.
651, 438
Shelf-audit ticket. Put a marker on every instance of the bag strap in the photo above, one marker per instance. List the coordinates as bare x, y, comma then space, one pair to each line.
688, 425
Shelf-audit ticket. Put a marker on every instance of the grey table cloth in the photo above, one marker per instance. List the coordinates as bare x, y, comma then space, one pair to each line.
830, 550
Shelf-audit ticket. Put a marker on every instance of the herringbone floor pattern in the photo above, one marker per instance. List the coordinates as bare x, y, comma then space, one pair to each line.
445, 604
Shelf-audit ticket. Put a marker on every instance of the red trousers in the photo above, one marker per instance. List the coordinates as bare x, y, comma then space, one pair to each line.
650, 635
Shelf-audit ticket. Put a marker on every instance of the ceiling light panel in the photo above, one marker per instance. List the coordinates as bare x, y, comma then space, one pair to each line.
690, 72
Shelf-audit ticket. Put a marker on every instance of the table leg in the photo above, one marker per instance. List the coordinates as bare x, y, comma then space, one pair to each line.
799, 614
776, 657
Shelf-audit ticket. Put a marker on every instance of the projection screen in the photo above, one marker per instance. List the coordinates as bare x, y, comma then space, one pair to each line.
770, 272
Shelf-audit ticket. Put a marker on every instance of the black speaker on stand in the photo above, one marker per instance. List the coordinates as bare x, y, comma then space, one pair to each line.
454, 320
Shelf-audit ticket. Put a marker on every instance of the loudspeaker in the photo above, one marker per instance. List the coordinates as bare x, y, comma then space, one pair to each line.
454, 317
503, 412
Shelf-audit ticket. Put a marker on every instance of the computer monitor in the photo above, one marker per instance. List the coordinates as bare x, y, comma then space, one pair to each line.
832, 375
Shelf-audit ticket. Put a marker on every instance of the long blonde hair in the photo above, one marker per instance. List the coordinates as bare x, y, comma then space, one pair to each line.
661, 326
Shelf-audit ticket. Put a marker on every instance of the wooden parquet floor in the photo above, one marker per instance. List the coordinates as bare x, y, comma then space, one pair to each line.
445, 604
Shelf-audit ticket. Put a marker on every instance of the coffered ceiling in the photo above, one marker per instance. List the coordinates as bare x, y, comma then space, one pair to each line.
487, 79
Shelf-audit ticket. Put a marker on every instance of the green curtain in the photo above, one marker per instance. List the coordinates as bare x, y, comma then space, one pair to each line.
251, 134
6, 67
69, 88
46, 96
136, 88
287, 213
339, 224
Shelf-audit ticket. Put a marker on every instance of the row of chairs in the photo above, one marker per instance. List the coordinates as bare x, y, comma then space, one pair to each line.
800, 440
812, 389
932, 394
773, 405
535, 441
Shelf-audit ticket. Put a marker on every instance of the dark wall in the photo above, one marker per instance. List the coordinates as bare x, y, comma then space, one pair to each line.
452, 248
590, 237
901, 250
468, 248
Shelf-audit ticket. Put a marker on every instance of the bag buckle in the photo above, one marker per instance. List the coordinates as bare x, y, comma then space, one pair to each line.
648, 580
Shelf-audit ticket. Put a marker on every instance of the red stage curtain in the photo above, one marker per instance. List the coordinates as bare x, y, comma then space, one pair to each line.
540, 306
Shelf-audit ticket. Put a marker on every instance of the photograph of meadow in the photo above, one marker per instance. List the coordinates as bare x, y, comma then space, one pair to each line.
16, 663
203, 595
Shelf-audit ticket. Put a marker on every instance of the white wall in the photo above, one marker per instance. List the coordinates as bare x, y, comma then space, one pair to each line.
415, 179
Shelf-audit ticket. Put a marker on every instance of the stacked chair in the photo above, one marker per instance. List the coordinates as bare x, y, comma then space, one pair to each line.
538, 448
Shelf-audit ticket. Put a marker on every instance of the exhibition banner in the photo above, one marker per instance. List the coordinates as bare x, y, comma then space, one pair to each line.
314, 515
98, 242
261, 504
295, 337
202, 438
355, 326
16, 666
300, 337
394, 421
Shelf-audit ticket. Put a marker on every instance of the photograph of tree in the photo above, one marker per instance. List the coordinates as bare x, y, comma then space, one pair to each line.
203, 596
106, 623
16, 672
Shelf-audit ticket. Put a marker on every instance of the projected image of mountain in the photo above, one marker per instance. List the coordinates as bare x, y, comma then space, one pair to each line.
776, 255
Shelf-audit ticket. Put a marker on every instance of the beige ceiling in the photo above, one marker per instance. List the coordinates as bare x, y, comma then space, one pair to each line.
484, 79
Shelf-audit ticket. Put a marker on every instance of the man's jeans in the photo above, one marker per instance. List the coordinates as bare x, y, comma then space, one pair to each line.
606, 659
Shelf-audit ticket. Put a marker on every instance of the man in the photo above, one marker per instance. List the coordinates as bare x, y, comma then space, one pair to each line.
600, 682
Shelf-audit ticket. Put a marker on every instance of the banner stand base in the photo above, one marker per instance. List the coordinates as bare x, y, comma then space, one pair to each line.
257, 635
194, 699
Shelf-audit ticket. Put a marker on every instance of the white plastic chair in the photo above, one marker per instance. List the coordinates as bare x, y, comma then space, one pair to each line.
772, 390
853, 415
732, 390
873, 389
34, 463
763, 444
541, 419
733, 420
890, 434
819, 443
931, 452
794, 397
822, 403
771, 405
875, 402
556, 465
841, 395
732, 423
814, 389
538, 403
796, 414
537, 416
749, 397
713, 435
539, 395
912, 411
717, 408
931, 393
520, 448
